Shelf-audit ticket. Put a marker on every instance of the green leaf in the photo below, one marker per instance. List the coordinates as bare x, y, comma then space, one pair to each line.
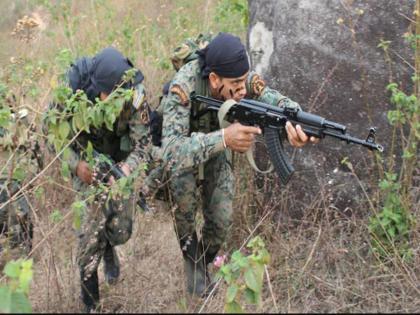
19, 174
20, 303
77, 207
5, 117
64, 130
12, 269
239, 260
65, 170
251, 280
56, 216
264, 256
77, 122
256, 243
39, 192
251, 297
225, 273
109, 121
25, 276
5, 300
231, 293
233, 308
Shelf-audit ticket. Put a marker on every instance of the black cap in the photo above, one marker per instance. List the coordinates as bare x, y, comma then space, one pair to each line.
108, 69
225, 55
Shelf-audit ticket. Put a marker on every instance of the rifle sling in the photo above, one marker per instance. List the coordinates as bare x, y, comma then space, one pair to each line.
221, 114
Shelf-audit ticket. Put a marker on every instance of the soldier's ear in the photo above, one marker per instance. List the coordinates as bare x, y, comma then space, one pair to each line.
214, 80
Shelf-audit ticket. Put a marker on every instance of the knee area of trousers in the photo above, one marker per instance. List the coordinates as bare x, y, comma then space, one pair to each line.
118, 230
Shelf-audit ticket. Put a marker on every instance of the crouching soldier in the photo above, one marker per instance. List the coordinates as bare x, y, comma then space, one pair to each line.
108, 221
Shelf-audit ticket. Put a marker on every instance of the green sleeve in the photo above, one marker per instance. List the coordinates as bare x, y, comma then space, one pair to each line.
274, 97
180, 148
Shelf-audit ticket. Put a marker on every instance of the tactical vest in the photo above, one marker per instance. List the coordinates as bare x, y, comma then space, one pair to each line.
202, 120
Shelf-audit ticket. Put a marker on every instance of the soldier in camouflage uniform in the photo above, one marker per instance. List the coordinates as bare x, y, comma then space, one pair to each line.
192, 137
21, 161
106, 225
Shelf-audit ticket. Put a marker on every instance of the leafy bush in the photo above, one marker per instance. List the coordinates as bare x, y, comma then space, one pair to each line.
14, 295
244, 276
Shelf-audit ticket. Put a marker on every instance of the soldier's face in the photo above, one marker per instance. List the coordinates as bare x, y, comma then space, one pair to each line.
228, 88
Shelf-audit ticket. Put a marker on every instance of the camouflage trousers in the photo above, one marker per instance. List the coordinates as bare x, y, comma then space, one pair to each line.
15, 221
102, 223
216, 196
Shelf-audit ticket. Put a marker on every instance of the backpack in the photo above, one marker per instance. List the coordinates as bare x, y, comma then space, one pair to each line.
187, 50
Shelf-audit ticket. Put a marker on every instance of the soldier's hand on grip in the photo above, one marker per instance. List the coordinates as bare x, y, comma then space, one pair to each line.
297, 136
239, 138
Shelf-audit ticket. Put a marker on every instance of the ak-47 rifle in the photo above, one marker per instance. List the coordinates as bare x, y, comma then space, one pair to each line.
272, 119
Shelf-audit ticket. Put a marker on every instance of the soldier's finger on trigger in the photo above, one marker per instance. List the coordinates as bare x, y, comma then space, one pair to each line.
252, 130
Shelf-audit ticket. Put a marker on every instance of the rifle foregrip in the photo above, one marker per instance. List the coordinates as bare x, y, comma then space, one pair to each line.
117, 172
277, 155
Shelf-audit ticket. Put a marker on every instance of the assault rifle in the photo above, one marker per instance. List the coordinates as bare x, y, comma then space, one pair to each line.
105, 168
272, 119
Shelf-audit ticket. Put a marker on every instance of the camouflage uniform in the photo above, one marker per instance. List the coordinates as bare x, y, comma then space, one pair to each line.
110, 222
188, 142
19, 141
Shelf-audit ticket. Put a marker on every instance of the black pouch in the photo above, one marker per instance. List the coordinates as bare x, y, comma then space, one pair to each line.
156, 121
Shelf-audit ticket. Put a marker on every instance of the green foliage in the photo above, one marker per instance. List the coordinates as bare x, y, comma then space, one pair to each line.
56, 216
77, 113
384, 44
406, 107
5, 117
411, 39
391, 226
62, 62
14, 295
232, 15
78, 207
244, 276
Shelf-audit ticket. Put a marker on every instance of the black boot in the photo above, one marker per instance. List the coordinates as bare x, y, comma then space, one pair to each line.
210, 253
111, 265
90, 291
193, 265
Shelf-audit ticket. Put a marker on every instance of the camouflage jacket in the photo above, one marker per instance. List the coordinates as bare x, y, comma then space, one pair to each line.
187, 141
126, 142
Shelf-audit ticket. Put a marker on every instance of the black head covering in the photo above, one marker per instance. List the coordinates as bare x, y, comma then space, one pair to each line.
102, 73
225, 55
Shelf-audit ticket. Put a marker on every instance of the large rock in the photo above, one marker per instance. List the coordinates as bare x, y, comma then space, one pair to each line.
325, 55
